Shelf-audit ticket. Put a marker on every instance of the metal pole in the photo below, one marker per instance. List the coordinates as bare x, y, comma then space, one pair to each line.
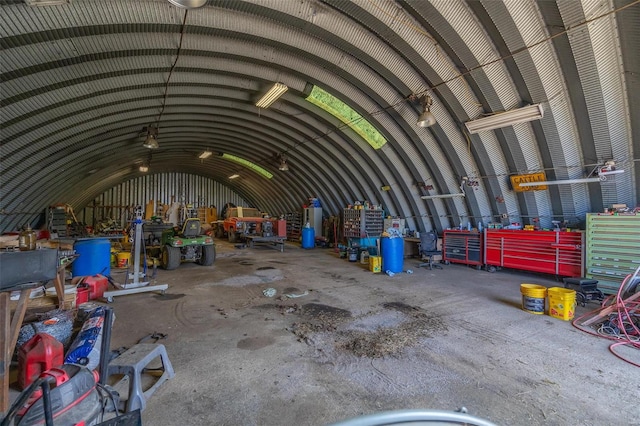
105, 352
137, 239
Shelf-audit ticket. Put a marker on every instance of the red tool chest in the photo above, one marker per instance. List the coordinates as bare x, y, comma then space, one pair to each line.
550, 252
463, 247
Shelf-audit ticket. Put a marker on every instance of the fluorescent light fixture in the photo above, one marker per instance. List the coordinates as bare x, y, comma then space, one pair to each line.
504, 119
602, 172
46, 2
426, 119
234, 176
272, 95
343, 112
144, 168
205, 154
430, 197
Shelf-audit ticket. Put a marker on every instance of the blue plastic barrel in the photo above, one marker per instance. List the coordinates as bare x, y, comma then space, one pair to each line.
308, 238
95, 257
392, 254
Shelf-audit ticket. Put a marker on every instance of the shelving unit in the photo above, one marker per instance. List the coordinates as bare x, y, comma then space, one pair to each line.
57, 221
612, 249
294, 225
363, 223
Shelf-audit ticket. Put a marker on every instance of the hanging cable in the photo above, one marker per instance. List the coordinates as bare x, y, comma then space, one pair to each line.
166, 86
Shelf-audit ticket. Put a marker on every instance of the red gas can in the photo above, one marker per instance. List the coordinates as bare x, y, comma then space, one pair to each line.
97, 284
40, 353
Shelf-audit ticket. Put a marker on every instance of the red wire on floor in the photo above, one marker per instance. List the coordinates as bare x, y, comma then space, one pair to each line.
626, 310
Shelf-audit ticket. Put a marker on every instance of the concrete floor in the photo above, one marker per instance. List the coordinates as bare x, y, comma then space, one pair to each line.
361, 343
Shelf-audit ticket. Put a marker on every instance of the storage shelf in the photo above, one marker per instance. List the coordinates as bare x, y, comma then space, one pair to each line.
362, 223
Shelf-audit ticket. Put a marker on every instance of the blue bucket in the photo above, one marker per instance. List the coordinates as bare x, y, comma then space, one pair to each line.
95, 257
392, 254
308, 238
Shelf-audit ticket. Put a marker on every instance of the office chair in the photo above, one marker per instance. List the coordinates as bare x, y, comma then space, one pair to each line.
428, 249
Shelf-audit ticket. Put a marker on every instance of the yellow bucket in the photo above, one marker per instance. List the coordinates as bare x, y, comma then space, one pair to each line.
123, 259
562, 303
533, 297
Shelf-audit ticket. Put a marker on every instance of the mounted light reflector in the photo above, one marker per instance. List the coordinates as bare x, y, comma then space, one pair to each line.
272, 95
504, 119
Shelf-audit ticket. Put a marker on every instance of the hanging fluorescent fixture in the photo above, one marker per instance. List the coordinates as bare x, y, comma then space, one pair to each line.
205, 154
460, 194
272, 95
605, 171
504, 119
426, 119
46, 2
234, 176
430, 197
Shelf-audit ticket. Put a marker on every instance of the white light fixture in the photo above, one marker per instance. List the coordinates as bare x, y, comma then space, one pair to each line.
205, 154
234, 176
602, 172
430, 197
272, 95
504, 119
426, 119
144, 168
283, 164
151, 141
46, 2
188, 4
460, 194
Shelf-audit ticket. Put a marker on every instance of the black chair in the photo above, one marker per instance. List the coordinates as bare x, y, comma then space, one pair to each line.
429, 249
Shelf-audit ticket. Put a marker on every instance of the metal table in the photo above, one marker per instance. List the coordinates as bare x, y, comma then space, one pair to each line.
277, 242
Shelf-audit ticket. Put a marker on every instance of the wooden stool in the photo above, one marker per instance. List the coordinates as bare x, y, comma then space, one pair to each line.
132, 363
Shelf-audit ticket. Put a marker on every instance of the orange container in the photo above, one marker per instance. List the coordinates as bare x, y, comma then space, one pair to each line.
39, 354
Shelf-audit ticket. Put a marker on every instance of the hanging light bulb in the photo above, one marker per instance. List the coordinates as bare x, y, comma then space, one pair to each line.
426, 119
283, 164
151, 141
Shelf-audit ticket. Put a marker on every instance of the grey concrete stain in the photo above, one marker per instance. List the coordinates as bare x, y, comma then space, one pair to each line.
318, 309
168, 296
255, 343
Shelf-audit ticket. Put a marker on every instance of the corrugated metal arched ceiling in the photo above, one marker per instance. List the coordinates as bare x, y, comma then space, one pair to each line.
81, 80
